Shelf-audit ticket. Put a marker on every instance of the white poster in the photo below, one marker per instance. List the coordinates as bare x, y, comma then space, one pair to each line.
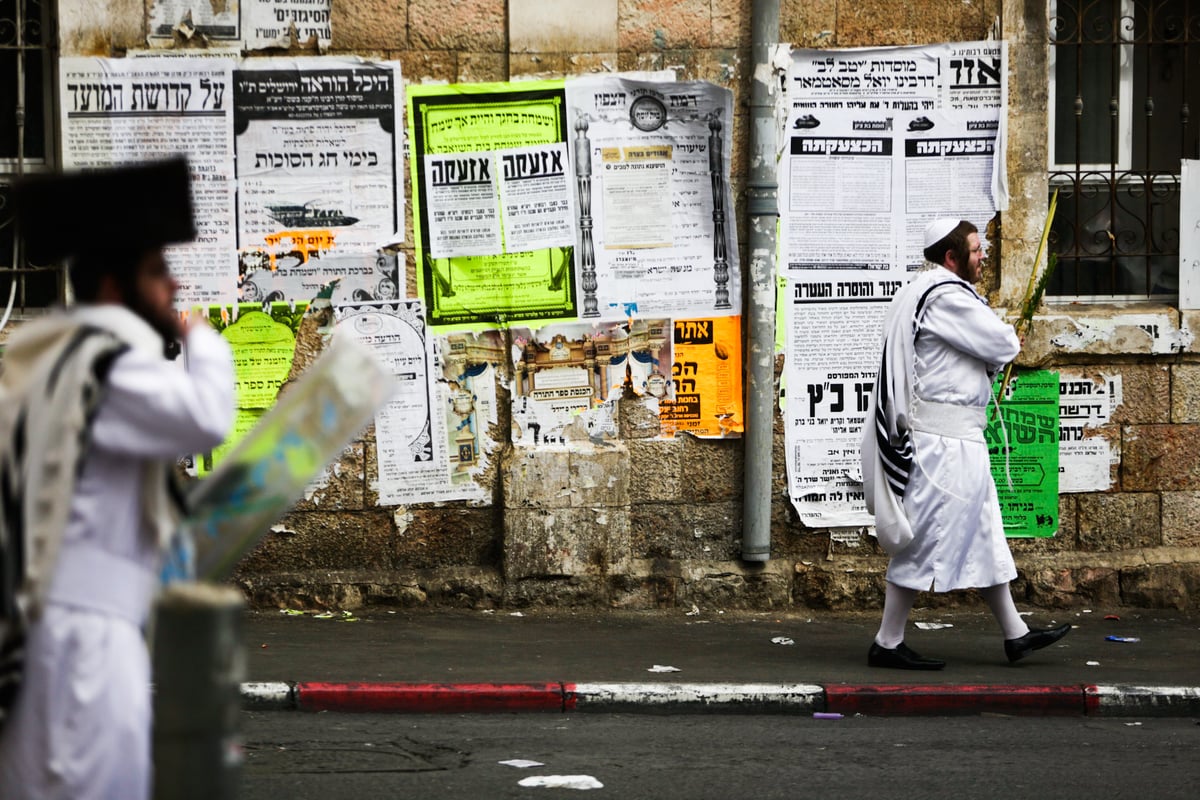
536, 197
878, 143
462, 203
320, 189
122, 111
657, 234
256, 24
1189, 234
410, 431
1085, 457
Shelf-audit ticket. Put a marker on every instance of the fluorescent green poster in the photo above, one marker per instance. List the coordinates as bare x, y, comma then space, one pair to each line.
490, 191
1026, 431
263, 346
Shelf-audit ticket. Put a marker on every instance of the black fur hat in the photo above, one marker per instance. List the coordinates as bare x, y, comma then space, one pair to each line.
124, 209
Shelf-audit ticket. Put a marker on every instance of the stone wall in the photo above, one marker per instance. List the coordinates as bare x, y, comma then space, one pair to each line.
657, 523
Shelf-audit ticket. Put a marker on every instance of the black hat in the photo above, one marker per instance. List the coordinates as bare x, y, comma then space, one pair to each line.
131, 208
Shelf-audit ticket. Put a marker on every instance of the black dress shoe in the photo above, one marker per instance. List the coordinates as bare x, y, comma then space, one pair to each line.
900, 657
1036, 639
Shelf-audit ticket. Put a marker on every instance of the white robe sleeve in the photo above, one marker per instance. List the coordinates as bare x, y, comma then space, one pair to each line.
158, 409
960, 319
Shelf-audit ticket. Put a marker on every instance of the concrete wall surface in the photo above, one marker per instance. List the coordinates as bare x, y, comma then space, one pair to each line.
653, 522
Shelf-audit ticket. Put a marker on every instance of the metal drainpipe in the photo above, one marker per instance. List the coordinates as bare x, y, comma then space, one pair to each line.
762, 208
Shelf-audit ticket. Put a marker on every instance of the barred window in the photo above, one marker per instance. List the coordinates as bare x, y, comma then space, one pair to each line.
26, 144
1124, 91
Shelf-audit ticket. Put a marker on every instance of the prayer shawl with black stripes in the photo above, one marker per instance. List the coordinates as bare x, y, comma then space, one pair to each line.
51, 384
887, 453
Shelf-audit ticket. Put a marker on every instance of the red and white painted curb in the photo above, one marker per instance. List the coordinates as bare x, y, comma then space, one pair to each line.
756, 698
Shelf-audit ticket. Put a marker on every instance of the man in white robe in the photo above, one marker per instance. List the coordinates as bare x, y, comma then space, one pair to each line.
100, 416
926, 471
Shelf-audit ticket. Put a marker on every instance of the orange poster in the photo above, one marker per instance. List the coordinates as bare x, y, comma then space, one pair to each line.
707, 379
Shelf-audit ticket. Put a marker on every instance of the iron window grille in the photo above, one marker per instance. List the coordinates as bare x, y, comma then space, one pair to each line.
27, 44
1124, 85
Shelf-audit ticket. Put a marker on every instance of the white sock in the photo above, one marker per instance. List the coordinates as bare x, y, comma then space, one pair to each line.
897, 604
999, 600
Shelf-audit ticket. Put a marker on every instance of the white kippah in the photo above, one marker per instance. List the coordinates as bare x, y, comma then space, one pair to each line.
939, 229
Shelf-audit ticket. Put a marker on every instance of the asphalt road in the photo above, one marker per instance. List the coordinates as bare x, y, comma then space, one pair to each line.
301, 756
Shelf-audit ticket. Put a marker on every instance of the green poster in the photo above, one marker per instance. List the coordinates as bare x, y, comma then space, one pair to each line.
1028, 421
263, 346
456, 131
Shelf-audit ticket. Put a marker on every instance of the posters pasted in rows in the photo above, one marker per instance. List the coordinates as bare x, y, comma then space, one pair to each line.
877, 143
253, 24
317, 182
657, 234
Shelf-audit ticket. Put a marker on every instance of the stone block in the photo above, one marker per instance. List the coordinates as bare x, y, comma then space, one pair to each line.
564, 542
450, 536
1189, 324
712, 469
663, 24
565, 26
840, 589
1185, 393
1181, 519
599, 476
458, 25
1175, 585
585, 63
367, 24
808, 23
536, 66
731, 21
637, 420
1160, 458
427, 66
475, 67
317, 540
643, 591
1068, 587
537, 477
952, 20
655, 470
706, 531
1061, 333
557, 592
340, 487
735, 585
1113, 522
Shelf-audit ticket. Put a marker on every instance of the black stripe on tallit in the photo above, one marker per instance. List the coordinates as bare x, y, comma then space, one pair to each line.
896, 459
78, 338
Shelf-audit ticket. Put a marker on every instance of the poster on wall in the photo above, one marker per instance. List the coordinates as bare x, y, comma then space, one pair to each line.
320, 186
467, 397
253, 24
410, 430
568, 377
706, 379
262, 339
121, 111
483, 157
878, 142
650, 164
1023, 446
1085, 456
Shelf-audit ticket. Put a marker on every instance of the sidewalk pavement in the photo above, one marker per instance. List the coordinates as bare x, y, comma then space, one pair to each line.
462, 661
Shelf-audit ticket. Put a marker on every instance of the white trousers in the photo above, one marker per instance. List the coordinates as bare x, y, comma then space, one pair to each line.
80, 729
